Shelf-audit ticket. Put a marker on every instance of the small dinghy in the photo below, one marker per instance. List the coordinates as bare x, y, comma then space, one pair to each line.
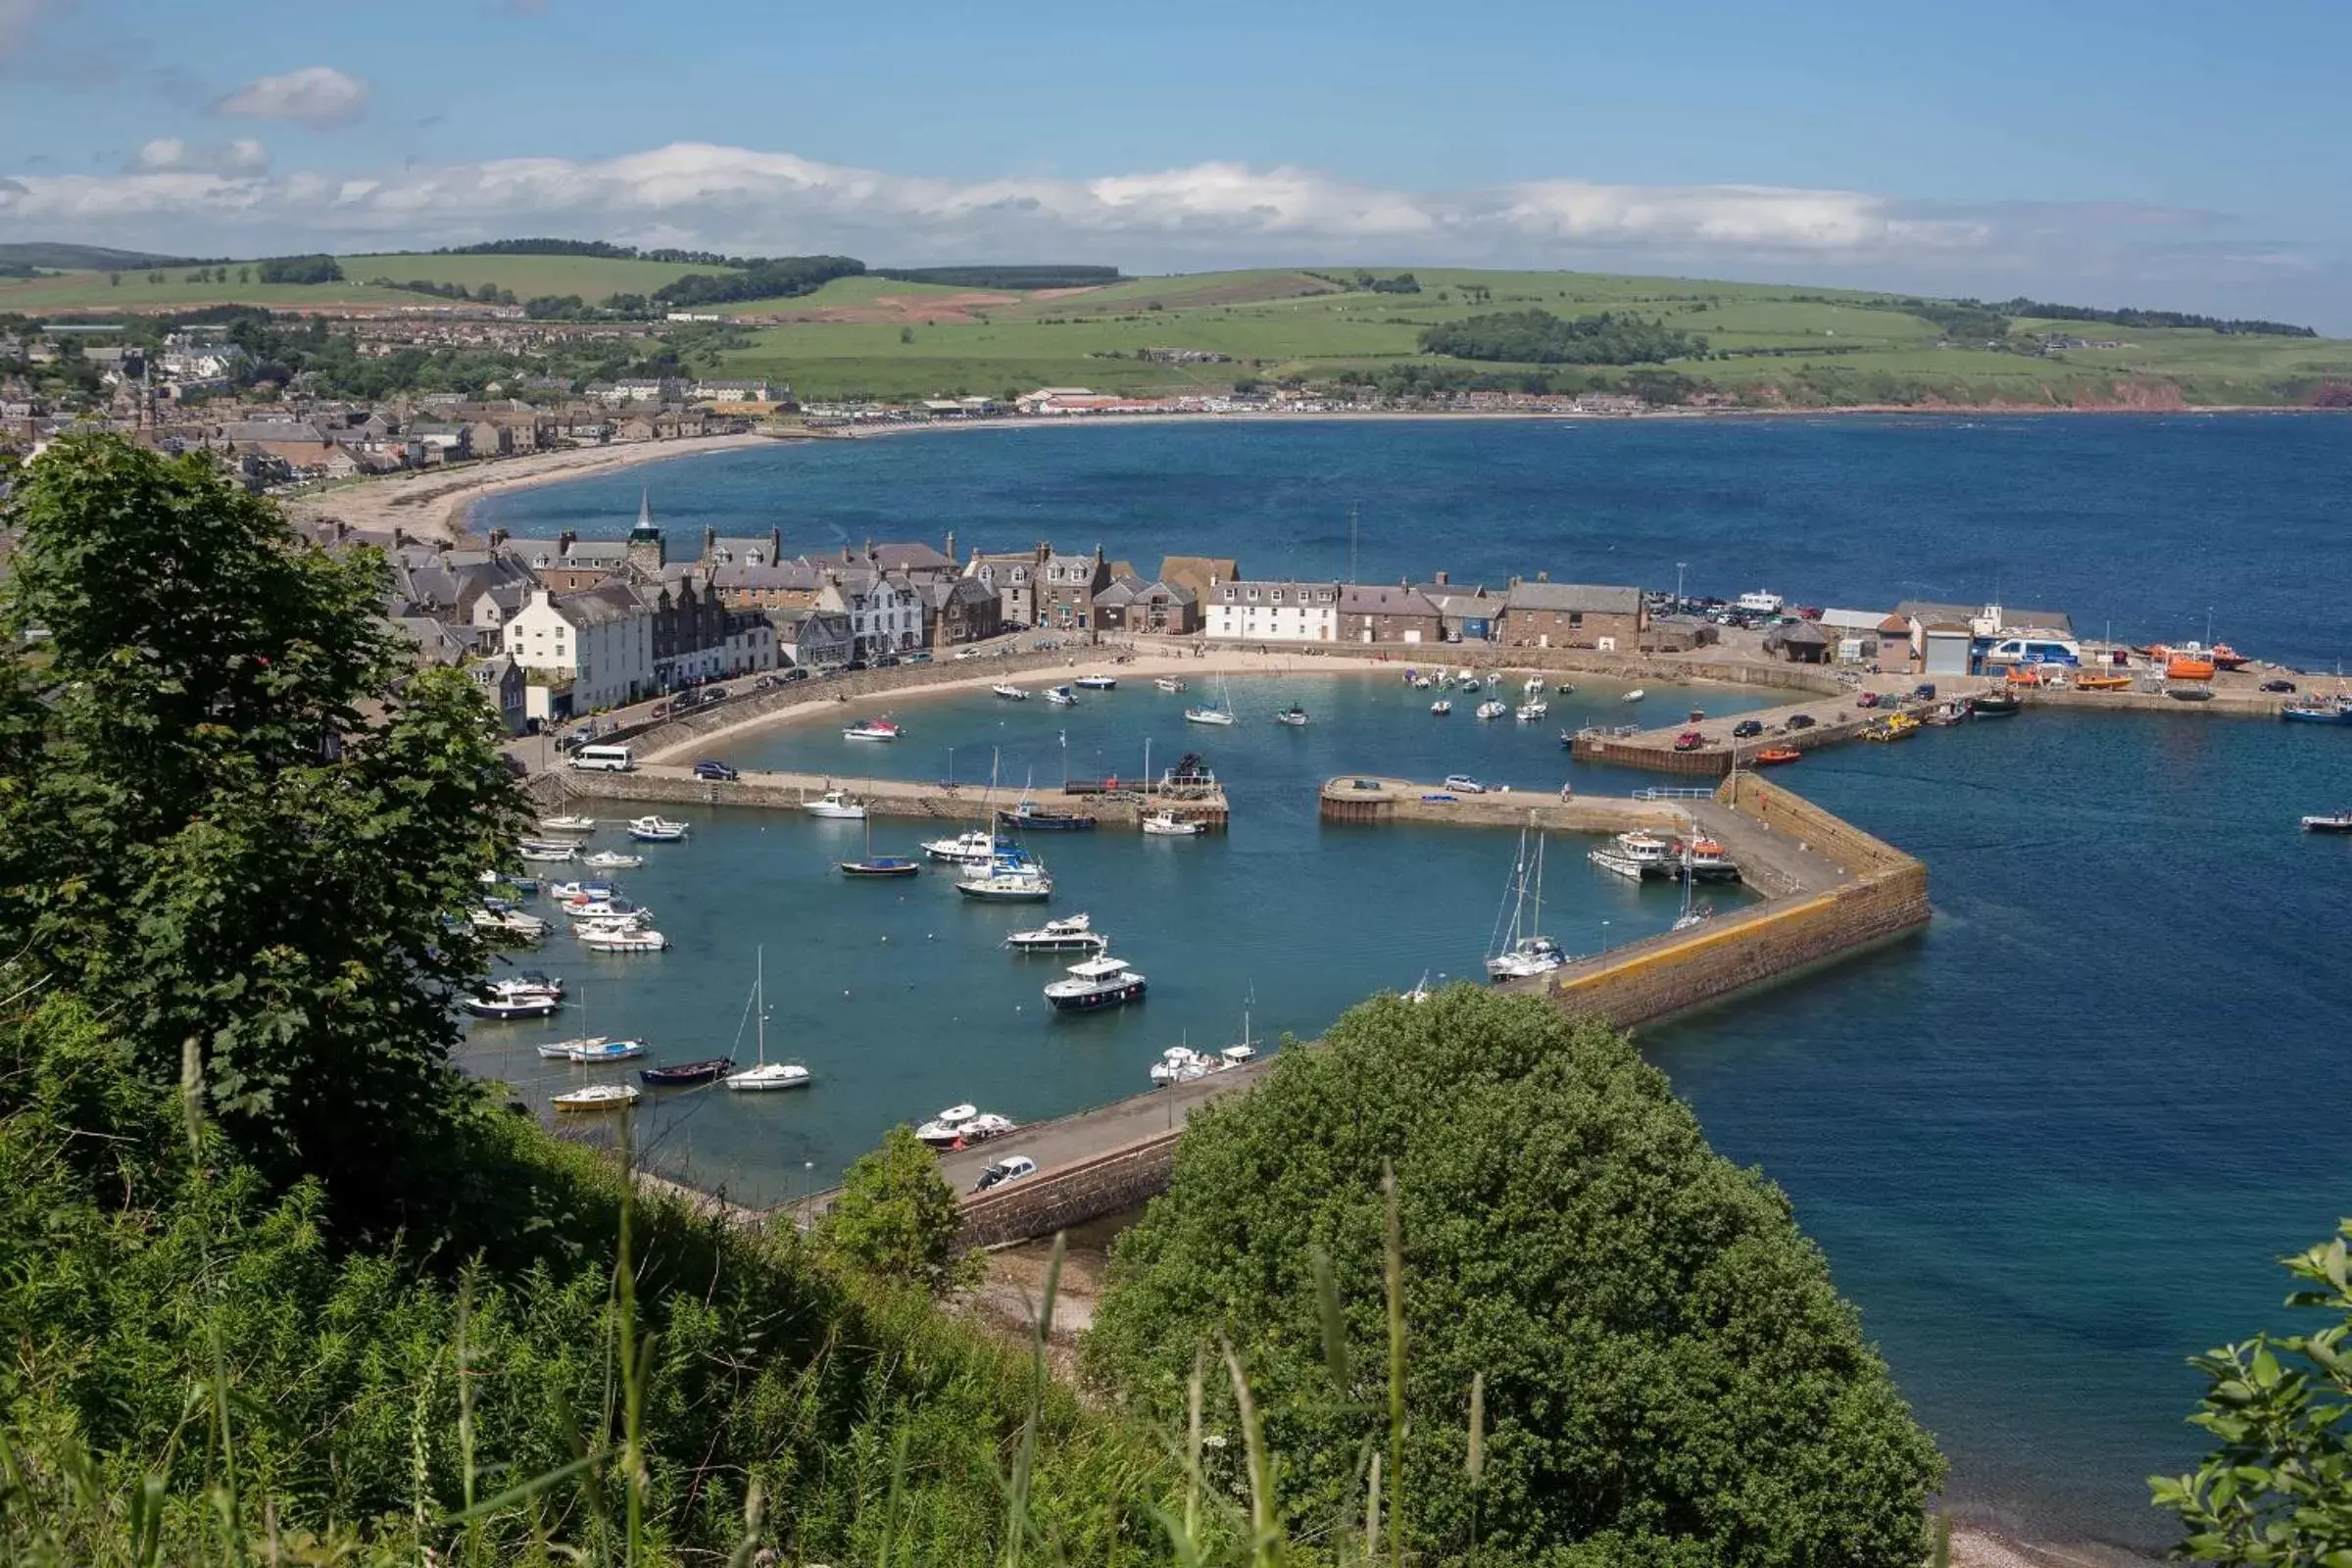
614, 861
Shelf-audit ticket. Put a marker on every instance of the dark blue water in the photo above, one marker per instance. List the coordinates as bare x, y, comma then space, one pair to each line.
2051, 1148
2146, 522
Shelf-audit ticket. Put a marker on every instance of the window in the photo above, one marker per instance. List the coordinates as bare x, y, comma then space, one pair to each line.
1575, 617
1253, 596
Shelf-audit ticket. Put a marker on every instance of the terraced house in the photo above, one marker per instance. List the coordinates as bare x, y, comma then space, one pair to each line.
1275, 612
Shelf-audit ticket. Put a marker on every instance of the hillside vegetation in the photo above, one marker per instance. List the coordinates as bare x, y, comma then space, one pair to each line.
833, 328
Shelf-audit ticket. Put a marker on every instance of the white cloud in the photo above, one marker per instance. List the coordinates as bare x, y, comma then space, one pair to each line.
168, 154
315, 95
745, 200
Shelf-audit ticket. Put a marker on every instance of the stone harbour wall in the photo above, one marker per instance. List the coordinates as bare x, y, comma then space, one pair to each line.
1060, 1197
1780, 811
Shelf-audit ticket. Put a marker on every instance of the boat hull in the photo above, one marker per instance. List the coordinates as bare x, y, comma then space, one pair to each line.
685, 1073
1047, 821
2305, 715
1097, 1000
1027, 892
881, 866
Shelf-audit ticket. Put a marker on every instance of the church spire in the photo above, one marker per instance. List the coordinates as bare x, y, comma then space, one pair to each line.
648, 550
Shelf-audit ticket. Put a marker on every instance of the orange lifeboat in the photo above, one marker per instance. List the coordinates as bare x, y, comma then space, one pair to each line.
2025, 675
1774, 756
2226, 657
2187, 667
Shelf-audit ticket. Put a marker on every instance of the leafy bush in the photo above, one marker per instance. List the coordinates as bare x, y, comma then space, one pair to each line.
300, 269
1668, 1375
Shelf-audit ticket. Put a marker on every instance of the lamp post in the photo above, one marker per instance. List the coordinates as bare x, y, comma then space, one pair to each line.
1677, 584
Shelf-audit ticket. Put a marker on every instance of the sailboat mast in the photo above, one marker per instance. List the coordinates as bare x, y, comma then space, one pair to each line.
759, 1000
1534, 925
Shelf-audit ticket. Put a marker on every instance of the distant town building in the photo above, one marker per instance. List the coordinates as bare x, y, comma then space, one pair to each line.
1567, 615
1275, 612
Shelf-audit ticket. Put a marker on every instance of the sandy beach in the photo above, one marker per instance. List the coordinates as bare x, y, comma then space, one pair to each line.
432, 506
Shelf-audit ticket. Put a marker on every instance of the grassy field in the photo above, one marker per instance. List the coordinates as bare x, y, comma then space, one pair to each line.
875, 336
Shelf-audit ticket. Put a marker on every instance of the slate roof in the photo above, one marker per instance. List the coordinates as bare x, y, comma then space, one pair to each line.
1574, 597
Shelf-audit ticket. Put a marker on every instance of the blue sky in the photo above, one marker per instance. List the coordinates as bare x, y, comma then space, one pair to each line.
2158, 153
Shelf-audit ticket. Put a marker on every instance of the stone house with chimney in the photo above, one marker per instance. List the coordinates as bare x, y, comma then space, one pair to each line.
1371, 613
1066, 596
1565, 614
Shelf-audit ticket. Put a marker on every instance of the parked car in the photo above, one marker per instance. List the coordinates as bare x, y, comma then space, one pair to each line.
1688, 740
1800, 721
1464, 784
719, 772
2278, 684
1746, 727
1924, 692
1012, 1168
796, 672
714, 694
962, 654
1867, 700
918, 657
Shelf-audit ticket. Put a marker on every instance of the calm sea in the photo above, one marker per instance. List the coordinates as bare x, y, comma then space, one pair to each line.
2050, 1149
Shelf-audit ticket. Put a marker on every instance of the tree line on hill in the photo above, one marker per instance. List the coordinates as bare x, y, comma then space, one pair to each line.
1014, 277
1538, 337
2041, 310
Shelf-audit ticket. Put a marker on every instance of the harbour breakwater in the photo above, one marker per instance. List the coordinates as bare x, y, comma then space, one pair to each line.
1830, 890
1127, 803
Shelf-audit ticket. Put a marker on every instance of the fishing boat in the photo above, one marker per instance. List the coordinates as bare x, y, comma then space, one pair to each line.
1097, 683
1995, 705
1893, 727
1172, 684
969, 847
764, 1075
1529, 712
1167, 824
2329, 822
657, 830
1441, 707
2102, 683
597, 1097
1009, 691
1073, 933
2319, 710
567, 824
622, 939
872, 865
1775, 756
491, 1005
836, 805
1636, 857
607, 911
1293, 716
581, 892
1634, 696
686, 1072
1704, 861
1093, 984
1028, 814
614, 861
1492, 707
1062, 696
548, 850
1526, 952
872, 729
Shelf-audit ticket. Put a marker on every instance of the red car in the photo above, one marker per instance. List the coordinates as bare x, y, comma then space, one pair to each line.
1867, 700
1688, 740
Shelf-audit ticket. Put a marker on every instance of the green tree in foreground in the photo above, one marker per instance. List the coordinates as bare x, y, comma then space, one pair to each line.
2277, 1492
1667, 1375
896, 1217
229, 810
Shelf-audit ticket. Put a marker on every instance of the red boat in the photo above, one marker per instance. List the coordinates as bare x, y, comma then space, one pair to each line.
1773, 757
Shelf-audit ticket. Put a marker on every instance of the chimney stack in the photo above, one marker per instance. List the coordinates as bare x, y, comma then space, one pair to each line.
1514, 582
1443, 580
710, 542
497, 537
1544, 577
949, 550
565, 541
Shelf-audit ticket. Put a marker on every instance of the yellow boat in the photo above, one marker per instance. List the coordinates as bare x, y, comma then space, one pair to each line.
2102, 683
1893, 727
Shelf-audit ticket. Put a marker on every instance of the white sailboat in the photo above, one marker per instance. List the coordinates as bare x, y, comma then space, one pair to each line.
1221, 713
767, 1075
1693, 914
1527, 951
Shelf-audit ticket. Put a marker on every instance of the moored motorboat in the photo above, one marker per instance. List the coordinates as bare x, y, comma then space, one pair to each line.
1441, 707
1005, 882
565, 823
657, 830
2319, 710
597, 1097
1062, 696
1009, 691
1493, 708
1167, 824
1180, 1065
2329, 822
528, 983
1634, 855
1995, 705
498, 918
1702, 859
1096, 983
1172, 684
548, 850
1528, 713
1775, 756
1028, 814
614, 861
685, 1072
872, 729
1097, 683
622, 939
1634, 696
969, 847
1293, 716
836, 805
961, 1126
1072, 934
509, 1007
594, 1050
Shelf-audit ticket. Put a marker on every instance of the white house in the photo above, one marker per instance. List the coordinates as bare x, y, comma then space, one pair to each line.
886, 612
1274, 611
601, 639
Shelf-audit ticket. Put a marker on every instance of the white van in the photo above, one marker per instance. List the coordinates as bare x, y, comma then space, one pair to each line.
604, 760
2034, 650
